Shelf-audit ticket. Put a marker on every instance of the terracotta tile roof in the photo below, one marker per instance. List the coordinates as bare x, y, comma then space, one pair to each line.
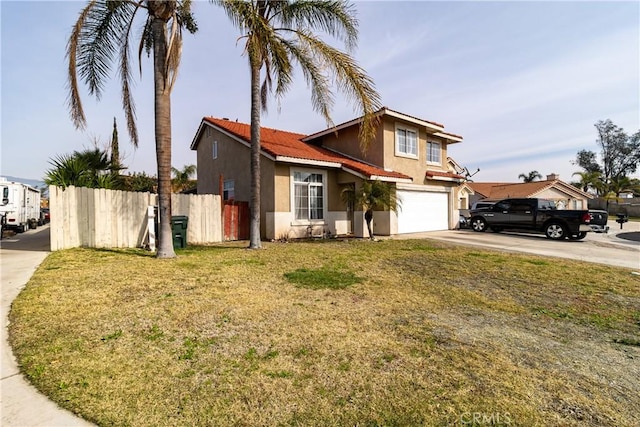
501, 190
279, 143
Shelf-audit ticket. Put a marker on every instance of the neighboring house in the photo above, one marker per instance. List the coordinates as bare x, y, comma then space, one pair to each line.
566, 196
303, 176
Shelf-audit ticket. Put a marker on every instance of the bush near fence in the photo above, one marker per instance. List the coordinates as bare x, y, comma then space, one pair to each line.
101, 218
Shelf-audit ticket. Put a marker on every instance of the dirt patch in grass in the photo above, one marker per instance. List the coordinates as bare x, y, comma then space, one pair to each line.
340, 333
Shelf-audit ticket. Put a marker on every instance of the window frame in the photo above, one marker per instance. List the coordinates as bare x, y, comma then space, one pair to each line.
431, 143
406, 129
292, 195
214, 150
226, 190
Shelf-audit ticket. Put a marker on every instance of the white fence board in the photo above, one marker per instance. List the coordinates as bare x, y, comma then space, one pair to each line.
100, 218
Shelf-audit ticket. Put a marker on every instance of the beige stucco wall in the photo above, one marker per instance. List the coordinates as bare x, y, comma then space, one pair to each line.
279, 221
346, 141
233, 162
414, 167
382, 152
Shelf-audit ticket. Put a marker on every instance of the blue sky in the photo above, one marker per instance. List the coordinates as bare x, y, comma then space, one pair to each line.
522, 82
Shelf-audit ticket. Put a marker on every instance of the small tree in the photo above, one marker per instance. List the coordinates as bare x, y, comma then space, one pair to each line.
116, 163
373, 195
182, 179
139, 181
589, 181
619, 155
530, 177
88, 168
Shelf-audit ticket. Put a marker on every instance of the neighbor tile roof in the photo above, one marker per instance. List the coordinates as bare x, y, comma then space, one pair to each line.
501, 190
279, 143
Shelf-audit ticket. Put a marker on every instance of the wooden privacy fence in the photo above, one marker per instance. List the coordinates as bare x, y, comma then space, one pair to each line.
235, 220
100, 218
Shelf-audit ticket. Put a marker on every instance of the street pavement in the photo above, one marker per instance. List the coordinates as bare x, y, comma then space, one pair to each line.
21, 404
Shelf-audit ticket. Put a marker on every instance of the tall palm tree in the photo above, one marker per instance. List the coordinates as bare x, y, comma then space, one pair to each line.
278, 35
183, 178
100, 36
371, 196
530, 177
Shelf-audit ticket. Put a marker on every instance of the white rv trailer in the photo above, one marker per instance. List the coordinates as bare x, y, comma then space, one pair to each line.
19, 206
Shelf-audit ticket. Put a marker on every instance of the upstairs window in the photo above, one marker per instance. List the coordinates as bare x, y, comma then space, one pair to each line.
433, 152
406, 142
214, 150
308, 196
228, 190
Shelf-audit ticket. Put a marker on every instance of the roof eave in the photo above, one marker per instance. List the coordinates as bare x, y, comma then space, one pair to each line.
196, 138
383, 111
309, 162
449, 137
446, 178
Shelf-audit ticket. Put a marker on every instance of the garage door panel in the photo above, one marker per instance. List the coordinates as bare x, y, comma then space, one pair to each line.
422, 211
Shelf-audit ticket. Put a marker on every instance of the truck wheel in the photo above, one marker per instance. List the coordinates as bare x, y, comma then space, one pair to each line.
578, 236
555, 231
478, 224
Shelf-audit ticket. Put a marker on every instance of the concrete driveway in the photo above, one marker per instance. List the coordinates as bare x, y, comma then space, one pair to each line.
21, 403
619, 248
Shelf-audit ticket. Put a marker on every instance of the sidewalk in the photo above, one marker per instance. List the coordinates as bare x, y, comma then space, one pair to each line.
20, 402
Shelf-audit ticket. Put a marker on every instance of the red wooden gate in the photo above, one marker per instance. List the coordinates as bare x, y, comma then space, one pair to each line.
235, 218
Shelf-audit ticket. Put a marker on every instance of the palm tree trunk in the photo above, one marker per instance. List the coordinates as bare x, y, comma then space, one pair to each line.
254, 227
163, 139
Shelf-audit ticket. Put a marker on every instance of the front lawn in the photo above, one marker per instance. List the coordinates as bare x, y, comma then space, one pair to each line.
411, 332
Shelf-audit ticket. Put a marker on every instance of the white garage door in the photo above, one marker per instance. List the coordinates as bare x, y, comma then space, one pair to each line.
422, 211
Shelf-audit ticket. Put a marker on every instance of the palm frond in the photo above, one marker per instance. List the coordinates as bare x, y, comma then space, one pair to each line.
125, 81
336, 18
322, 98
102, 33
352, 80
74, 100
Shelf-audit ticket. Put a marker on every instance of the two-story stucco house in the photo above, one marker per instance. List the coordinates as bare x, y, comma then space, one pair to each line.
303, 176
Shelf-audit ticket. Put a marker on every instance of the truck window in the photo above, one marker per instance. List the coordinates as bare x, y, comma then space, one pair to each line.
546, 205
520, 206
5, 195
502, 206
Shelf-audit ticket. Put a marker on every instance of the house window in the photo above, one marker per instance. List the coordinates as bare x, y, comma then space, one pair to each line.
433, 152
406, 142
228, 190
215, 150
308, 196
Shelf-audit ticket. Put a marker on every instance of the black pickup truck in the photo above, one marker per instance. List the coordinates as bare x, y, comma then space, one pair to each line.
532, 215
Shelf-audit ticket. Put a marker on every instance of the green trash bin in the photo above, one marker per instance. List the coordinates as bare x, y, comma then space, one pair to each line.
179, 231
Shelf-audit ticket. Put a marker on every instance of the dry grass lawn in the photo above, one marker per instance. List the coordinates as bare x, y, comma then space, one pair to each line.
400, 333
